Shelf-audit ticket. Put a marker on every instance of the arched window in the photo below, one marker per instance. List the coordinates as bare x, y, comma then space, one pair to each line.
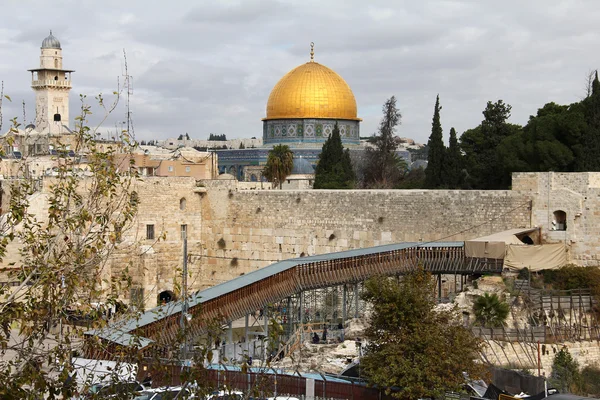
182, 204
560, 221
253, 178
55, 63
56, 78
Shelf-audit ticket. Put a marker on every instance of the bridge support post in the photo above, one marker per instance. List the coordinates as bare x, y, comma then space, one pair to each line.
266, 318
301, 302
289, 316
344, 305
439, 288
356, 300
229, 332
246, 320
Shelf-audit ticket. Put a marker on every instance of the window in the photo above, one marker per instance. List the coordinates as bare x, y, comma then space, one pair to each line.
560, 221
137, 297
170, 168
150, 232
183, 232
182, 203
187, 169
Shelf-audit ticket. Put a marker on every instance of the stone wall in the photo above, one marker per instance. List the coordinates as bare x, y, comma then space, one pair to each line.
578, 195
246, 230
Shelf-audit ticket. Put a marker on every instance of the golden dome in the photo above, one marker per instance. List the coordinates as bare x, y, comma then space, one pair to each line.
311, 91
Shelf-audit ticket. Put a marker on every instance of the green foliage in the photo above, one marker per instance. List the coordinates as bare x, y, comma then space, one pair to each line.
452, 172
523, 273
411, 346
590, 381
565, 374
483, 160
219, 138
383, 168
490, 311
280, 162
572, 277
435, 158
413, 179
334, 170
63, 252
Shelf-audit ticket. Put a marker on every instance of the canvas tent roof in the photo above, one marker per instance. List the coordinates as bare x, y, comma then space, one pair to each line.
495, 245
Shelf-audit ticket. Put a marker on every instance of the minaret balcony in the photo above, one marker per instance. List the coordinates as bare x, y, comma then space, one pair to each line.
51, 83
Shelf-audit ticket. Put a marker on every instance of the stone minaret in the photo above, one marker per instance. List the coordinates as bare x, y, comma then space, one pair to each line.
51, 84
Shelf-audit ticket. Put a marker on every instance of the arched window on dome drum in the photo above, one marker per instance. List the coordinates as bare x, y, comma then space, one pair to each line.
56, 63
182, 203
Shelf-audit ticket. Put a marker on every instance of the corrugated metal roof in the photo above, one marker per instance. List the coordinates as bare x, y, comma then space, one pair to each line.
202, 296
120, 337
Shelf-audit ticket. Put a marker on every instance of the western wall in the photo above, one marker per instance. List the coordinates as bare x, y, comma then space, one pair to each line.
233, 229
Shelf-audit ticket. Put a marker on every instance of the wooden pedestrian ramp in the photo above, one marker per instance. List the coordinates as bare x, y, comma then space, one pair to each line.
244, 295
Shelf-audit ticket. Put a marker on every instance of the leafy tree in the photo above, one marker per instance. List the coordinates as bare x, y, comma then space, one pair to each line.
382, 165
412, 346
590, 141
187, 136
565, 374
490, 311
242, 145
63, 251
485, 168
412, 179
435, 158
280, 162
334, 169
180, 137
452, 173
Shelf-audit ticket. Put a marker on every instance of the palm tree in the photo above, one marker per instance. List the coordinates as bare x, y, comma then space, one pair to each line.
280, 162
490, 311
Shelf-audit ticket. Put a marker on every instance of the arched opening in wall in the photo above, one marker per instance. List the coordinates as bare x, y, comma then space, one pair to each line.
56, 78
253, 178
233, 171
166, 296
55, 63
182, 204
56, 117
527, 240
560, 221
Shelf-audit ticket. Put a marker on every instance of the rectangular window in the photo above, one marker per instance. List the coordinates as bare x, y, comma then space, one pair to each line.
187, 169
183, 231
137, 298
150, 232
170, 168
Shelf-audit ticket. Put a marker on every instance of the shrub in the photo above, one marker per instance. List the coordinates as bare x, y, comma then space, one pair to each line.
490, 311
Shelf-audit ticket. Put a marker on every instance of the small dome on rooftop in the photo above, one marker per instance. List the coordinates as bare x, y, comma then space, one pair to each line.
50, 42
302, 167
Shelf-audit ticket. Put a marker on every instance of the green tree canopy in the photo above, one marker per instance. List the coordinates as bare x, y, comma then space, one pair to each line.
485, 167
565, 374
490, 311
383, 167
280, 162
452, 173
411, 346
334, 170
435, 158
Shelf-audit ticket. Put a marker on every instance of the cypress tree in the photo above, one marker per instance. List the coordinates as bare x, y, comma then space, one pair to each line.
452, 173
435, 158
590, 140
334, 169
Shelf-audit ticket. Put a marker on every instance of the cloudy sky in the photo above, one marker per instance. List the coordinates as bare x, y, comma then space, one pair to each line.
209, 66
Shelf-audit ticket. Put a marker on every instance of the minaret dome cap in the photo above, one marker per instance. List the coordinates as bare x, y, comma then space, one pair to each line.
50, 42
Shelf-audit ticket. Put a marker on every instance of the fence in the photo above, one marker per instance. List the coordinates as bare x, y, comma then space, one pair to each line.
264, 383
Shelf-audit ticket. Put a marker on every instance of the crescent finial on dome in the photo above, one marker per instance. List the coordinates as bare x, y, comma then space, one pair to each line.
312, 51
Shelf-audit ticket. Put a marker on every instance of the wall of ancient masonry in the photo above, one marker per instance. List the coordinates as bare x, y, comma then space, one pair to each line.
246, 230
578, 195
